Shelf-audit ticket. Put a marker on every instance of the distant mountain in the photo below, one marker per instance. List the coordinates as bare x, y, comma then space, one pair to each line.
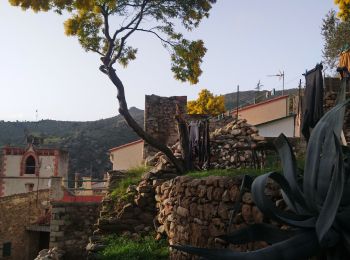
87, 142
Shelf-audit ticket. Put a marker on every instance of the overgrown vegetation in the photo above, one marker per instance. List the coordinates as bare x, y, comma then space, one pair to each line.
231, 172
124, 247
207, 103
336, 35
134, 176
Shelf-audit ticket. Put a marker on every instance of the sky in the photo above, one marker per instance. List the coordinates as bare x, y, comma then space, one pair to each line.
43, 70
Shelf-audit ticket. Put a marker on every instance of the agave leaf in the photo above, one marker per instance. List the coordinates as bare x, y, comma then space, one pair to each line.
342, 93
300, 246
258, 232
312, 162
334, 195
314, 186
245, 186
290, 173
328, 160
269, 209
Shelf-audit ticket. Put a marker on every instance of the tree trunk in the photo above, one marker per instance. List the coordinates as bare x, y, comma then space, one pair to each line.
184, 139
124, 111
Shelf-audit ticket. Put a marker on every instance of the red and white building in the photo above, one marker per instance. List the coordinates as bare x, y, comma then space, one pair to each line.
30, 169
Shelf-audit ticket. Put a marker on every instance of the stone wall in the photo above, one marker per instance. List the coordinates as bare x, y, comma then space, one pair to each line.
235, 146
133, 214
71, 225
17, 213
160, 119
195, 211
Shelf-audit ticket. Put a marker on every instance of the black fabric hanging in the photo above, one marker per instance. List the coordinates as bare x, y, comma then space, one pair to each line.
199, 144
313, 100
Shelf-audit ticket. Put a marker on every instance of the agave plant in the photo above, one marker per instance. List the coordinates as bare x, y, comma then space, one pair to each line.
318, 202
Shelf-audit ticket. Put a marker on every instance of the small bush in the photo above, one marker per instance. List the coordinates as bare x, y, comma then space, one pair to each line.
134, 176
123, 247
231, 172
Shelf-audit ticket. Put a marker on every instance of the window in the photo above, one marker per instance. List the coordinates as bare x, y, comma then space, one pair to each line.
30, 165
6, 249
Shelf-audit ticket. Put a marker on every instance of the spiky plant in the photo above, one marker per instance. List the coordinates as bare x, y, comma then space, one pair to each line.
319, 206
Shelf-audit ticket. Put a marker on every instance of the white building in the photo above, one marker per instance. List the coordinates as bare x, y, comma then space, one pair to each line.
30, 169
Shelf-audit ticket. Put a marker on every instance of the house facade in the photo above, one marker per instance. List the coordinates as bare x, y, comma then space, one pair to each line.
272, 117
29, 169
127, 156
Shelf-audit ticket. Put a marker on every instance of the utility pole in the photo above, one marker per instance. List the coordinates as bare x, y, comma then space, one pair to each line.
237, 101
258, 87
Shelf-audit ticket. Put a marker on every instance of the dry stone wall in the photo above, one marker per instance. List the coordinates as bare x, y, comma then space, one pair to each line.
17, 212
235, 146
133, 214
71, 225
160, 119
195, 211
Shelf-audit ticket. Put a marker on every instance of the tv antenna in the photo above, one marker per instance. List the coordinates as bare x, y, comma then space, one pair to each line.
258, 86
36, 115
280, 75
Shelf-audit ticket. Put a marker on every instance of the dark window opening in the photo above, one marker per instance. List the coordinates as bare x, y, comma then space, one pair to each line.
30, 165
6, 249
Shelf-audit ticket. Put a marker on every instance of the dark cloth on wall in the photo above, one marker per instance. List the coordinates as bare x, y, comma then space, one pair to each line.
194, 137
199, 143
313, 100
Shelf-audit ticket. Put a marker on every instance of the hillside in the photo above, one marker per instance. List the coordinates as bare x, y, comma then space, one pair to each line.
87, 142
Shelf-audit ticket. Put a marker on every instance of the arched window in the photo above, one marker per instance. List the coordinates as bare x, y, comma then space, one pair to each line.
30, 165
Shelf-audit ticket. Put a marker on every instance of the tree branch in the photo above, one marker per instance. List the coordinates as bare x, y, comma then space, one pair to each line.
157, 35
123, 39
123, 110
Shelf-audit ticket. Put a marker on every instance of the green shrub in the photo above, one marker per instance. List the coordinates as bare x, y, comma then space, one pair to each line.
123, 247
134, 176
230, 172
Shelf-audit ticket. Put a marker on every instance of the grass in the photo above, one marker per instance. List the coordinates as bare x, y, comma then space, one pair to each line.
134, 176
123, 247
231, 172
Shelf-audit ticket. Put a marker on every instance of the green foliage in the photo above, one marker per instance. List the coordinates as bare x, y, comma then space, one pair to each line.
207, 104
134, 176
230, 172
336, 34
125, 248
86, 142
91, 22
344, 9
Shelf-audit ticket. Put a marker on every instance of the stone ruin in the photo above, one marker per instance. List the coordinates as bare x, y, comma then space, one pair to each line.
159, 119
235, 145
52, 253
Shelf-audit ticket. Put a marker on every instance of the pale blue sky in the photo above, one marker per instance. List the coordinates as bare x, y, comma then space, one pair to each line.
41, 68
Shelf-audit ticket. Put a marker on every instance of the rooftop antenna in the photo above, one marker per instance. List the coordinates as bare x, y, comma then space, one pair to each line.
258, 86
279, 75
36, 115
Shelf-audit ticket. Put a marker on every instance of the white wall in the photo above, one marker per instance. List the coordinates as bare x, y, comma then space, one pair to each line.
275, 128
